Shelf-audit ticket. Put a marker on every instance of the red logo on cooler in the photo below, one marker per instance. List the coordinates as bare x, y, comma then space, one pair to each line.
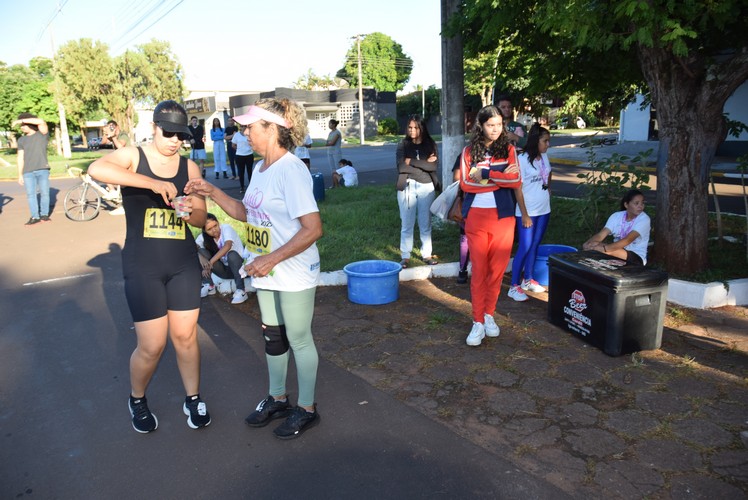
577, 301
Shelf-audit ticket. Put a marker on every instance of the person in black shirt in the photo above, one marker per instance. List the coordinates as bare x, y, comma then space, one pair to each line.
198, 143
229, 134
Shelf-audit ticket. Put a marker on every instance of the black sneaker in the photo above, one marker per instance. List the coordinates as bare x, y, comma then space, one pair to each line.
143, 420
225, 176
462, 277
196, 411
32, 221
45, 218
297, 422
267, 410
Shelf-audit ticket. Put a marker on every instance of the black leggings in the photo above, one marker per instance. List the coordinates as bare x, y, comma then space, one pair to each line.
242, 163
223, 271
231, 152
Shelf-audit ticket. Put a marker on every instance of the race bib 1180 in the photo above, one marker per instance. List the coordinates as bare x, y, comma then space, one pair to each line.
163, 223
258, 239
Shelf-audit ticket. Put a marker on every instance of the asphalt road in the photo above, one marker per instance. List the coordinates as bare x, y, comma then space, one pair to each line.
65, 340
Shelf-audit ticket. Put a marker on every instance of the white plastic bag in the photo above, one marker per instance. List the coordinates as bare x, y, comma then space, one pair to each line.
441, 205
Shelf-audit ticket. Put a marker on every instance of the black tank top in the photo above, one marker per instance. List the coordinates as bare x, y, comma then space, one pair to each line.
149, 219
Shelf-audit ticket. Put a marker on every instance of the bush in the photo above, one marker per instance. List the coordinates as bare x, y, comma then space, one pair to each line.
387, 126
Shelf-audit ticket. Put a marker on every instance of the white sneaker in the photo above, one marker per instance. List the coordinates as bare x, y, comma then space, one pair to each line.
120, 210
239, 297
517, 293
532, 286
490, 326
207, 289
476, 334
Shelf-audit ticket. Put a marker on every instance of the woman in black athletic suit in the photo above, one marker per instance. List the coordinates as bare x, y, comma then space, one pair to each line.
159, 259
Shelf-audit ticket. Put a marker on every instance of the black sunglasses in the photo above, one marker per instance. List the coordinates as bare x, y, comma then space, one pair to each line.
180, 135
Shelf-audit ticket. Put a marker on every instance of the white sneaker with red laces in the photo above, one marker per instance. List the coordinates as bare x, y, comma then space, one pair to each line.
517, 293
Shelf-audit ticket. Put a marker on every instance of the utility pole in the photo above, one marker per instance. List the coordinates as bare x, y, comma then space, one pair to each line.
64, 140
453, 90
362, 121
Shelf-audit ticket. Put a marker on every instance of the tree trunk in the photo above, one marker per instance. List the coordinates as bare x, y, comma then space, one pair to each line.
689, 101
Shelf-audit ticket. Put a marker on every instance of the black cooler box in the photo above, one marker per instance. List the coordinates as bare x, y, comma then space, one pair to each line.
616, 307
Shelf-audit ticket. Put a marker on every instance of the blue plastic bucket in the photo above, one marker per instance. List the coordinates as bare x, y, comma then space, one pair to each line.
318, 186
540, 270
373, 282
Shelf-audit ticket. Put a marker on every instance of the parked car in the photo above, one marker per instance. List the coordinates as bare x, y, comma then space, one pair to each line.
560, 124
94, 143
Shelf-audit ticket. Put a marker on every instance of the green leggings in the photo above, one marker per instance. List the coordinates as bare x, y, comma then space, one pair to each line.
294, 310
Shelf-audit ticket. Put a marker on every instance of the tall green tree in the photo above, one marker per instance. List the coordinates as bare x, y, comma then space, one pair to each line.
689, 55
312, 81
83, 70
384, 65
90, 80
26, 89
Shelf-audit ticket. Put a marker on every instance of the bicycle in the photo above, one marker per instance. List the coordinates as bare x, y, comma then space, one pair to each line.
83, 201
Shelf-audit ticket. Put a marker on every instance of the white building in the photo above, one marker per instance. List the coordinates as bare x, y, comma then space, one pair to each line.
639, 124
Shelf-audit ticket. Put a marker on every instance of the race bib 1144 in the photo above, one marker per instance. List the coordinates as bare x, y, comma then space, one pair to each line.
163, 223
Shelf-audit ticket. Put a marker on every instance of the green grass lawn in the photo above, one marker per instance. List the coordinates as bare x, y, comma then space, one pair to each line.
364, 223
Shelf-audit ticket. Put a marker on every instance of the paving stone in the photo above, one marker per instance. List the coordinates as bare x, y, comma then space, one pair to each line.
728, 412
595, 442
512, 403
636, 379
703, 433
576, 414
693, 386
627, 479
532, 432
632, 422
501, 378
665, 455
699, 486
662, 403
548, 388
579, 373
561, 468
731, 463
530, 366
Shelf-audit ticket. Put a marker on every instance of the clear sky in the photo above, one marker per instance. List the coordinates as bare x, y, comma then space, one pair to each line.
234, 45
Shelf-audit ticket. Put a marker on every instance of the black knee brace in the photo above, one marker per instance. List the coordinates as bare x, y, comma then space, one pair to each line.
276, 341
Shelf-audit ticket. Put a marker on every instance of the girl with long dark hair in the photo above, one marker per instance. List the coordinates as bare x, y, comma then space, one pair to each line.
488, 175
533, 210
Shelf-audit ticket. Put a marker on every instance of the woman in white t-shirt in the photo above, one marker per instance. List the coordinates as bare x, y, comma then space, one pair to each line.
221, 252
533, 210
283, 224
345, 175
302, 151
630, 229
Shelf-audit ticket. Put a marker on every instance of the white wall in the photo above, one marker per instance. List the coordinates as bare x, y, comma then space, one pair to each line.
737, 107
634, 122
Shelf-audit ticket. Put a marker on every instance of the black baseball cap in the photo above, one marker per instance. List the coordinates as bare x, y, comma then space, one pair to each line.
172, 122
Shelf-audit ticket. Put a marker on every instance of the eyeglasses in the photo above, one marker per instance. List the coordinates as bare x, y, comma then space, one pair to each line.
180, 135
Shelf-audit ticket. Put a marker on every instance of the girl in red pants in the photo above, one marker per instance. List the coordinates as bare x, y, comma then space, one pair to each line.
488, 175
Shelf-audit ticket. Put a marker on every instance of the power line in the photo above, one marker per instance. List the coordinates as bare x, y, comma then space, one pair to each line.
51, 19
124, 44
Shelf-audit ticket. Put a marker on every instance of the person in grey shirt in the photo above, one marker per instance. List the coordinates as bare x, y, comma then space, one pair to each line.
33, 166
